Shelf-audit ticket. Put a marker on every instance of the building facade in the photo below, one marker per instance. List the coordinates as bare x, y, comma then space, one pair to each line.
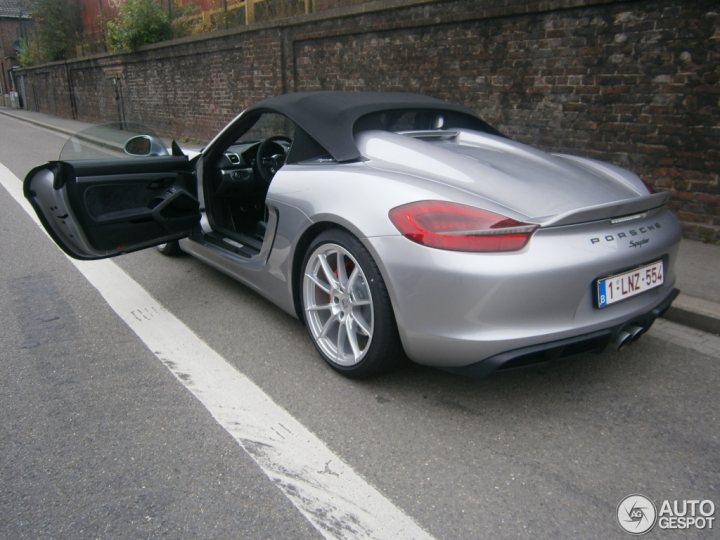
14, 27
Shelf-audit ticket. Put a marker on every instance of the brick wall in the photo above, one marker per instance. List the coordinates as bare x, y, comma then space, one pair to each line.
632, 82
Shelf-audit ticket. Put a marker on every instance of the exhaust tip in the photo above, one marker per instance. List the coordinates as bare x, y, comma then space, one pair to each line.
628, 334
636, 332
622, 339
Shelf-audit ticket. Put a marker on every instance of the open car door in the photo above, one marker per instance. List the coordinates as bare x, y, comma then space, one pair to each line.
100, 208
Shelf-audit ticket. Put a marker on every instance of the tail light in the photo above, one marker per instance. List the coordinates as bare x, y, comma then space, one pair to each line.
457, 227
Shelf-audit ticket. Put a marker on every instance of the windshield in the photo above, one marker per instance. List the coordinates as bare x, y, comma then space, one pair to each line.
268, 124
103, 142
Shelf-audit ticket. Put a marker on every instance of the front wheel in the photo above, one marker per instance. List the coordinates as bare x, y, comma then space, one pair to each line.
346, 307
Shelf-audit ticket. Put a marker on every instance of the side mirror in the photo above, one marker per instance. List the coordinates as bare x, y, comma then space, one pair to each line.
145, 146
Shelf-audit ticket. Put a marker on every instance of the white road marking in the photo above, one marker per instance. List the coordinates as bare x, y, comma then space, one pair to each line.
327, 491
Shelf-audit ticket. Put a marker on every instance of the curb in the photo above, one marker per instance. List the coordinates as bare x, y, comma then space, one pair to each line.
696, 313
686, 310
70, 133
36, 122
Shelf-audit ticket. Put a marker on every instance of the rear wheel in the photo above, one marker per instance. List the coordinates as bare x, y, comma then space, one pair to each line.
346, 307
169, 249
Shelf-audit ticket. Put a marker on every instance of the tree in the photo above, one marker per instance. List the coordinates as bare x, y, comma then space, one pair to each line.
140, 22
57, 25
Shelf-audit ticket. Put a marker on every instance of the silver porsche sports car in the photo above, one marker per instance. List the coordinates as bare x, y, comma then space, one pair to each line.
388, 223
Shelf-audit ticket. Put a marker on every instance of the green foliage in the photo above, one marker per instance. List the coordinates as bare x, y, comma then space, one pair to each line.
56, 29
182, 17
140, 22
26, 54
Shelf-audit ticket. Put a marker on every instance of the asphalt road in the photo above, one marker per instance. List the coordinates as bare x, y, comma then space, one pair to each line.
99, 440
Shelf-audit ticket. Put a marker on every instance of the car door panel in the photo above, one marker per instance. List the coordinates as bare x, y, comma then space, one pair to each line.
97, 209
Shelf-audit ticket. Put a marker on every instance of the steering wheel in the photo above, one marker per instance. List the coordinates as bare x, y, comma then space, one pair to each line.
271, 156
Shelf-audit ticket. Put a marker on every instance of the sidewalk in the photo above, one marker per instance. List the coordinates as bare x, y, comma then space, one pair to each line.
62, 125
697, 268
698, 278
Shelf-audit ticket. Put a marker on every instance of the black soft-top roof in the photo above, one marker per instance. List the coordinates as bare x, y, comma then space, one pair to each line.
330, 117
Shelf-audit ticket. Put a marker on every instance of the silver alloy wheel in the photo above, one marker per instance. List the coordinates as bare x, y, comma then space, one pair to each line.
338, 305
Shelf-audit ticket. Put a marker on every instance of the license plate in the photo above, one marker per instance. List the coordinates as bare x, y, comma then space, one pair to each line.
620, 287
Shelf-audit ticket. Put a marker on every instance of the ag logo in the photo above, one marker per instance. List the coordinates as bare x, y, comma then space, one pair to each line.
636, 514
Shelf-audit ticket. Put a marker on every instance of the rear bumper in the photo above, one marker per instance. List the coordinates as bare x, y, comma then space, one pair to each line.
454, 309
618, 336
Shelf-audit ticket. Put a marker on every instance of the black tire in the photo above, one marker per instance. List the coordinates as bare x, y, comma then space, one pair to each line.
169, 249
360, 305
